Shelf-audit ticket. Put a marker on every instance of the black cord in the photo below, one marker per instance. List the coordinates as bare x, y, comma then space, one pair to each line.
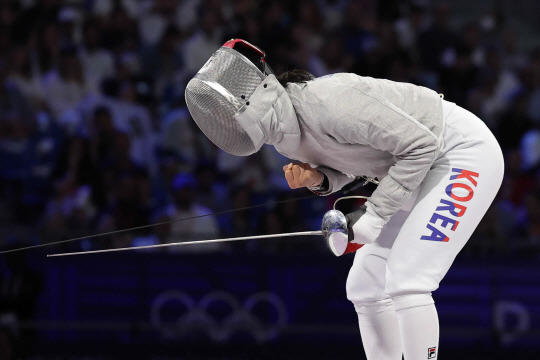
359, 182
155, 224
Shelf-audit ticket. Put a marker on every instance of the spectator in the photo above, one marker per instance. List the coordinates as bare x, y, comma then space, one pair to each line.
213, 193
530, 149
65, 86
531, 78
94, 91
330, 58
129, 205
514, 123
97, 62
155, 19
433, 42
24, 75
185, 206
198, 48
332, 12
12, 100
410, 25
68, 19
70, 209
162, 60
239, 223
178, 136
458, 79
498, 87
47, 47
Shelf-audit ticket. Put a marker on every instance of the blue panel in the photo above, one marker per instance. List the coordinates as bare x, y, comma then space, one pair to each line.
173, 299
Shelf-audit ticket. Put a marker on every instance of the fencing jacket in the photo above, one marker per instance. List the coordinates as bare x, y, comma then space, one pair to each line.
346, 126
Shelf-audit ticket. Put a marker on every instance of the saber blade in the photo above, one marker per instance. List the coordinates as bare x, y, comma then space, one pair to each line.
270, 236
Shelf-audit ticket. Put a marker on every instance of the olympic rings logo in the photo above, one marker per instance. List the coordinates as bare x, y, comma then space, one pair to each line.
196, 317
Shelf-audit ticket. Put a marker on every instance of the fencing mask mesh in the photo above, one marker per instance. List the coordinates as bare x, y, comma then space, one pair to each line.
219, 90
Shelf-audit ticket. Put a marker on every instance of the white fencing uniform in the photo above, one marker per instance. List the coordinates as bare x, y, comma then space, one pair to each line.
418, 245
439, 169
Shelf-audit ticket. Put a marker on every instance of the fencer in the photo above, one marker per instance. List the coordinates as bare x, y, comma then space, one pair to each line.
438, 164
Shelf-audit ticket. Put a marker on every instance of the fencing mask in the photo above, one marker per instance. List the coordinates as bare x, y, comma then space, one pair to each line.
221, 88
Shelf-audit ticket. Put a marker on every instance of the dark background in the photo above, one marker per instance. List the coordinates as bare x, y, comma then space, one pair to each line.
95, 137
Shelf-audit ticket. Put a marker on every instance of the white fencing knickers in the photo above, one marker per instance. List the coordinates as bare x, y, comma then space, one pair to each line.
418, 245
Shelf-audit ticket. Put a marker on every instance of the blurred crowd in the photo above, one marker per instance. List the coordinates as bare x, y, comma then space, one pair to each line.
95, 135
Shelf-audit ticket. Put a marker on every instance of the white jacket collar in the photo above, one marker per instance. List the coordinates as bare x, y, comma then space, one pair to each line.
270, 117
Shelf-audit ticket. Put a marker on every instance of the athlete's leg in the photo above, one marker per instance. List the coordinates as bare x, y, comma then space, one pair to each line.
366, 289
453, 198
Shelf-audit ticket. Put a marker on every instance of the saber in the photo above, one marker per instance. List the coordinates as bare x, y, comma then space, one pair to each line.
270, 236
114, 232
358, 182
333, 222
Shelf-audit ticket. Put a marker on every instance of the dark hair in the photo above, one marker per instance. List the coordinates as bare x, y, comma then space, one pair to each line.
294, 76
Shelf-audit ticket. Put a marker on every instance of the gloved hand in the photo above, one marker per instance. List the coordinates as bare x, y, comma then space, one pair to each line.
362, 228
